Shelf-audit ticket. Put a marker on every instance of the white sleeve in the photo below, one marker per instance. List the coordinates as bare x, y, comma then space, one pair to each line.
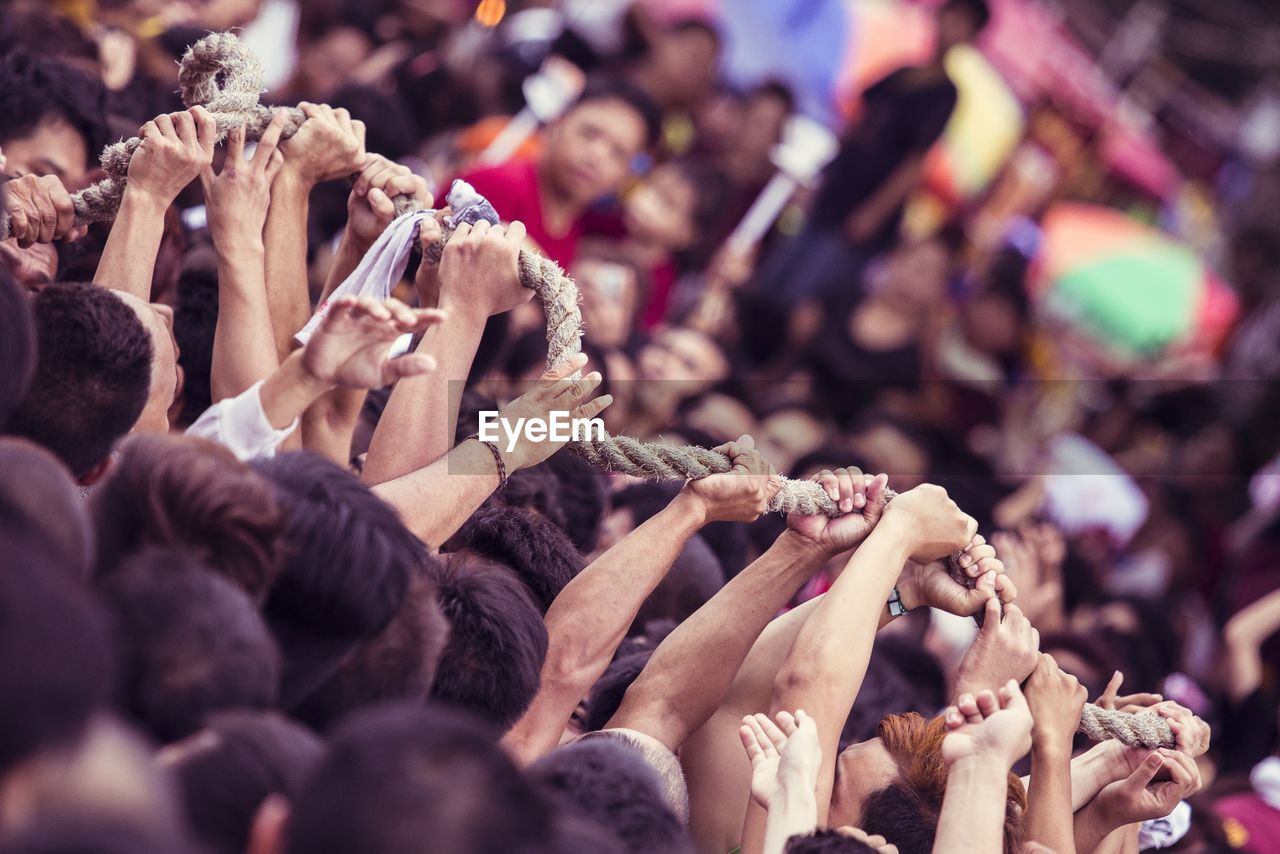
241, 425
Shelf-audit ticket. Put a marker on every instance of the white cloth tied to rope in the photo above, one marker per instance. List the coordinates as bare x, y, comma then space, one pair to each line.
385, 262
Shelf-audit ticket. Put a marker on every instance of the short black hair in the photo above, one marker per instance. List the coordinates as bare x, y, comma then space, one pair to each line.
195, 319
584, 494
191, 643
397, 664
826, 841
174, 490
617, 89
710, 192
55, 651
231, 766
605, 697
977, 10
38, 497
612, 784
347, 567
492, 664
775, 88
36, 89
92, 378
400, 777
18, 348
534, 548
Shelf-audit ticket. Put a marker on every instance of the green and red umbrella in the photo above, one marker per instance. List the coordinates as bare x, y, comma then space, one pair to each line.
1129, 286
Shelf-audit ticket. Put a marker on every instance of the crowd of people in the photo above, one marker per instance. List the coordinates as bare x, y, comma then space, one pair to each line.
271, 596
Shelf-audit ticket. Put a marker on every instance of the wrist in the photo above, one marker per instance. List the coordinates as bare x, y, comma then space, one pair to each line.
307, 378
142, 200
692, 507
1050, 744
797, 543
980, 767
292, 177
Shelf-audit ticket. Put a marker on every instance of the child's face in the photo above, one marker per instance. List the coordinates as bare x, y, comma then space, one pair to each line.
660, 210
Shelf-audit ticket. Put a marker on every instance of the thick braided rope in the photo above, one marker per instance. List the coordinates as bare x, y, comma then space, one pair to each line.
223, 76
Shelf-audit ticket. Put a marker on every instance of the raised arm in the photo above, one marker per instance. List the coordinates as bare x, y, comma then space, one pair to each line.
175, 148
327, 427
1244, 635
591, 615
328, 145
435, 500
825, 666
1056, 699
987, 734
237, 199
785, 759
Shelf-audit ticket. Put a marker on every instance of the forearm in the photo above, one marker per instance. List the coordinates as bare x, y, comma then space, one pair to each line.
329, 425
824, 669
1049, 812
688, 675
345, 260
972, 817
790, 814
1096, 834
129, 257
436, 500
1091, 771
243, 349
421, 407
590, 617
285, 237
289, 391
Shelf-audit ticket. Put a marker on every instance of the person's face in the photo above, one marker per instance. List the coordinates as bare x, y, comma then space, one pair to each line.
53, 148
685, 64
661, 210
327, 64
762, 126
786, 436
889, 450
608, 299
722, 417
918, 274
955, 27
861, 769
991, 324
589, 151
166, 373
682, 357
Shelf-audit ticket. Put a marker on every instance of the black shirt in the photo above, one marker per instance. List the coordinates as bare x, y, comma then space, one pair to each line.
902, 116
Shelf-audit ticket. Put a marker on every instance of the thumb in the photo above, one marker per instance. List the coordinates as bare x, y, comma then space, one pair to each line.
411, 365
991, 610
1108, 698
874, 508
1144, 773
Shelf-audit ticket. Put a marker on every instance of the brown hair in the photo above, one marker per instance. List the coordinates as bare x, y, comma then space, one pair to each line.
180, 491
906, 811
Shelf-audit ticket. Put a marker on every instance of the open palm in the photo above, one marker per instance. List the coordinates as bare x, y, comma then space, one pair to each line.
352, 347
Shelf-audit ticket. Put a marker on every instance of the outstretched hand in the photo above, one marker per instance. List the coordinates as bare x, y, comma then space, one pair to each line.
785, 756
859, 496
555, 392
351, 348
237, 198
988, 726
1141, 796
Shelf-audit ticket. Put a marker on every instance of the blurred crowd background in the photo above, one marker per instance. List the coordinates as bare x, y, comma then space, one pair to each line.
1030, 251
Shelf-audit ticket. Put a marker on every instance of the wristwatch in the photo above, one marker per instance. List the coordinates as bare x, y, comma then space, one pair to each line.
896, 608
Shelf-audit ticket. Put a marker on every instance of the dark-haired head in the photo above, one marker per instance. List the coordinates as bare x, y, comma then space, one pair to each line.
52, 116
398, 778
55, 653
18, 347
229, 768
694, 577
583, 493
195, 495
191, 643
961, 21
827, 841
38, 497
589, 151
399, 663
492, 664
92, 378
609, 781
346, 572
539, 553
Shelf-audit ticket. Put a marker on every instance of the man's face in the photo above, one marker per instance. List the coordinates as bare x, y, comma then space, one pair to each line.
589, 151
53, 148
861, 769
166, 373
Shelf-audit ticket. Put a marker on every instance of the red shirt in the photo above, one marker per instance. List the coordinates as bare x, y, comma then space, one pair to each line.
512, 189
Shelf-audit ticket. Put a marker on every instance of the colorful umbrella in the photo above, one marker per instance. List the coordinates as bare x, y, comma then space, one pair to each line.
1127, 284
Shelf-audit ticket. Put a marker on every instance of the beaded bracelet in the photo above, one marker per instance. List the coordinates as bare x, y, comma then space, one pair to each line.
497, 458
